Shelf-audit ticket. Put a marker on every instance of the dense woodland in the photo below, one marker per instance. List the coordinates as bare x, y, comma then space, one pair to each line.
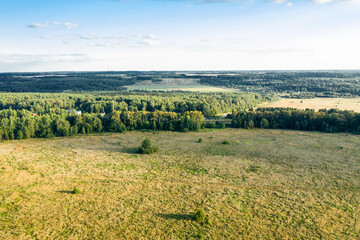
22, 124
60, 82
297, 84
309, 120
48, 115
180, 102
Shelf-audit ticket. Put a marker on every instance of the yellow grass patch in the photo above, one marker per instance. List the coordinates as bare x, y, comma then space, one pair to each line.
352, 104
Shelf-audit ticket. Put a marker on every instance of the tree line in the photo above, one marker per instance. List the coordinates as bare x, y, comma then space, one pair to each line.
296, 84
309, 120
22, 124
105, 102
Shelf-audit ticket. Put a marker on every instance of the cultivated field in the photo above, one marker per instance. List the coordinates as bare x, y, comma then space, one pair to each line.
319, 103
265, 184
190, 88
169, 84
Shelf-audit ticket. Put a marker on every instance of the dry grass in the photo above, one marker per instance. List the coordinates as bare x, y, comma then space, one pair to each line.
319, 103
265, 184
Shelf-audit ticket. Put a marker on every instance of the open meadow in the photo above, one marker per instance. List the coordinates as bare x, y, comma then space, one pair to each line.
172, 84
187, 88
351, 104
264, 184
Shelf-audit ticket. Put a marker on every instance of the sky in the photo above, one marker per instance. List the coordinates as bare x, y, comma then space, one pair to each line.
122, 35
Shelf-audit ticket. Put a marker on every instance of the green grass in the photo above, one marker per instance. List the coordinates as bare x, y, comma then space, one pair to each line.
266, 184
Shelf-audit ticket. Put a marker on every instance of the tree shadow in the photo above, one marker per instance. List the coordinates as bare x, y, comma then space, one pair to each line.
66, 191
129, 150
177, 216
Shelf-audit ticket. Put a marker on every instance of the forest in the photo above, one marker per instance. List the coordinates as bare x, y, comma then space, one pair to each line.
105, 102
309, 120
70, 106
293, 84
27, 115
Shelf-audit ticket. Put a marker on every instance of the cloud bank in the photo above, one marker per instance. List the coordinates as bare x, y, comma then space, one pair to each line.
67, 25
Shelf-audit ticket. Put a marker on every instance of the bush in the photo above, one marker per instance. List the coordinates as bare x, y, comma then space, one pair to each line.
210, 125
77, 191
200, 215
254, 168
146, 147
200, 140
225, 142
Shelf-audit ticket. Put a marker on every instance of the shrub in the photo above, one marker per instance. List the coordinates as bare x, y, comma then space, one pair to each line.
200, 215
200, 140
210, 125
77, 191
146, 147
254, 168
225, 142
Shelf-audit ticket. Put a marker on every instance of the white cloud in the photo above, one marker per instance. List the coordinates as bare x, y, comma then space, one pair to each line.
65, 41
323, 1
214, 1
335, 1
149, 42
38, 25
70, 25
278, 1
150, 36
285, 2
89, 37
100, 45
37, 58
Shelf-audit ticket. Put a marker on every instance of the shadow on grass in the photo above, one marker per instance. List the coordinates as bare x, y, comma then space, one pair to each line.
177, 216
129, 150
65, 191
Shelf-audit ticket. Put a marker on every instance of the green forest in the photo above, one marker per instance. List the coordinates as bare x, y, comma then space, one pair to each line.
309, 120
292, 84
71, 105
296, 84
27, 115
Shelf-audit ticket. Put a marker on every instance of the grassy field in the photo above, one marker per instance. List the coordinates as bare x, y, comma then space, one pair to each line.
319, 103
265, 184
191, 88
170, 84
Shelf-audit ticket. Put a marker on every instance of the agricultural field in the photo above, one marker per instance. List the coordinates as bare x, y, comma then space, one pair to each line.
263, 184
351, 104
176, 84
187, 88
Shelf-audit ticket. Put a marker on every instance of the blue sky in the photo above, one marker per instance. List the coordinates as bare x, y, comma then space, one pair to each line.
84, 35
